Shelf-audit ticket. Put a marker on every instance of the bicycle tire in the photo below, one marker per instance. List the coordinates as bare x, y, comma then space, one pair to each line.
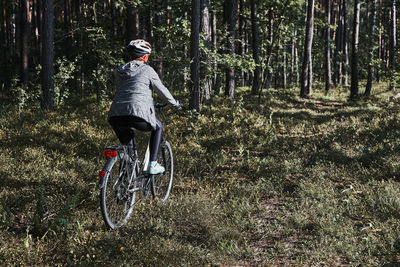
116, 198
161, 184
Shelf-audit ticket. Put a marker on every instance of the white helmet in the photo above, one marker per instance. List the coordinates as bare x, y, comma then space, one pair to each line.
139, 48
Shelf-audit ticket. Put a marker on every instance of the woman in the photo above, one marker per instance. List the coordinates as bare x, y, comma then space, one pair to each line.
133, 102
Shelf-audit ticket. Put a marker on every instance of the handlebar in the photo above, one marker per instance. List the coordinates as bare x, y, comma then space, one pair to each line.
159, 105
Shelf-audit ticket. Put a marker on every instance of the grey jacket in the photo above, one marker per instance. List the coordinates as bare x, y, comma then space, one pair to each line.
135, 82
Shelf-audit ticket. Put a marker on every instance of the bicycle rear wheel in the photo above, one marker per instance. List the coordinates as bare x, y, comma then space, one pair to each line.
117, 196
161, 184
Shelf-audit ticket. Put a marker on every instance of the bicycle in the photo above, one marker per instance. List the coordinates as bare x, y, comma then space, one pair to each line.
124, 181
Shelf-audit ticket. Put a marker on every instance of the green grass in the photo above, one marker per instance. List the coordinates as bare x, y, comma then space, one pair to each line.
289, 181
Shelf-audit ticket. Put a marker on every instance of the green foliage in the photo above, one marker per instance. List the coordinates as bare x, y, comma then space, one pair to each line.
19, 95
66, 71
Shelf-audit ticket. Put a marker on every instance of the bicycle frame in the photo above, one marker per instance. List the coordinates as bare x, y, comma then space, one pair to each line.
122, 150
124, 175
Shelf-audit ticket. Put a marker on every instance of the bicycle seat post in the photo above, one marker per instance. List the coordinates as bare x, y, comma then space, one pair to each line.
131, 145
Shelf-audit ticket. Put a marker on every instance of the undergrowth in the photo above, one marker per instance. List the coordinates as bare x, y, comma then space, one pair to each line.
332, 164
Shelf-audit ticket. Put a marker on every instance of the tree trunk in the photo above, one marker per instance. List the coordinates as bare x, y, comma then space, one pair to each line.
2, 24
3, 44
157, 44
194, 56
371, 50
255, 43
277, 62
285, 68
206, 80
328, 48
306, 74
378, 70
354, 53
216, 78
24, 33
293, 58
186, 70
383, 42
11, 26
230, 13
39, 26
309, 76
67, 26
132, 23
268, 78
242, 36
392, 58
114, 27
296, 65
338, 46
48, 55
345, 45
148, 21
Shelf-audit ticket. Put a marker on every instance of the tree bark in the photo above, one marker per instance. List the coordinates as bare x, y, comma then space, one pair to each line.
216, 78
195, 56
285, 68
242, 36
345, 45
132, 23
293, 58
354, 53
48, 55
114, 27
68, 29
378, 71
306, 74
11, 29
271, 34
24, 33
3, 23
206, 80
158, 46
392, 58
328, 48
186, 70
255, 43
296, 64
371, 50
338, 45
148, 21
230, 13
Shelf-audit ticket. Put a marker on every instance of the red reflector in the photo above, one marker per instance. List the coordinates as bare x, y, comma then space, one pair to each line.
102, 174
110, 153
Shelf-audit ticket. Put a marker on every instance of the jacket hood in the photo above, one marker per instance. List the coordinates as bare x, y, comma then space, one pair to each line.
129, 70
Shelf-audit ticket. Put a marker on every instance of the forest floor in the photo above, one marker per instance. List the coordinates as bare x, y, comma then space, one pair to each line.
283, 182
276, 242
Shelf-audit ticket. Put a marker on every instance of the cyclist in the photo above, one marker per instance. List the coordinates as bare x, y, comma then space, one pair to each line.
133, 102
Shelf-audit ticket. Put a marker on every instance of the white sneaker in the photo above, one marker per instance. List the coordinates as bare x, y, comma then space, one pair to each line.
155, 168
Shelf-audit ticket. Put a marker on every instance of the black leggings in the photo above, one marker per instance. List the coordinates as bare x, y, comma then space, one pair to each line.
125, 136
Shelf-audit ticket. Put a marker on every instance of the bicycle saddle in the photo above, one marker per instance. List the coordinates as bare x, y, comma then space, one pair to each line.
127, 128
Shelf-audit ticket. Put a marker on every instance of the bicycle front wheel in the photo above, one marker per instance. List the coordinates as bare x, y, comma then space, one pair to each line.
117, 196
161, 184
